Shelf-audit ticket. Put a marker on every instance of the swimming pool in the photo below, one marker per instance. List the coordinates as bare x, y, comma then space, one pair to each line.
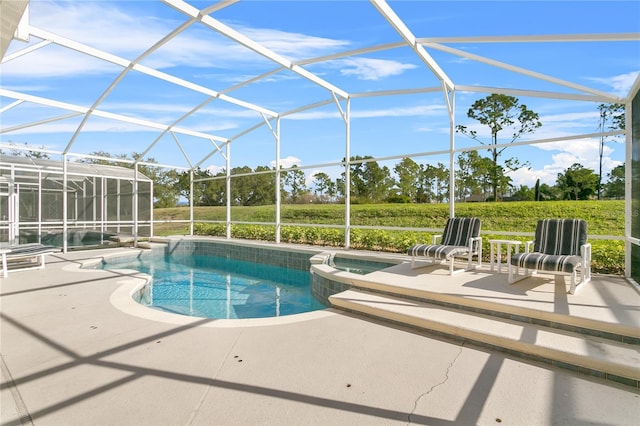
221, 287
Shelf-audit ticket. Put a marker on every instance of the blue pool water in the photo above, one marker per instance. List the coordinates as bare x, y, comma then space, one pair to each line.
216, 287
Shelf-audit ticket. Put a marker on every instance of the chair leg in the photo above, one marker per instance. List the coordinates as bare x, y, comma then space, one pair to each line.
585, 277
5, 271
572, 289
419, 264
514, 278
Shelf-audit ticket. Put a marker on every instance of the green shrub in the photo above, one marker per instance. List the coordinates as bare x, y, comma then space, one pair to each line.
604, 218
607, 256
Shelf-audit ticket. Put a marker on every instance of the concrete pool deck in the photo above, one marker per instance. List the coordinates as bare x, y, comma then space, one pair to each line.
71, 356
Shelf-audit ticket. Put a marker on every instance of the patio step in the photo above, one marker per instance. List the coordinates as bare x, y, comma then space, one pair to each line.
595, 356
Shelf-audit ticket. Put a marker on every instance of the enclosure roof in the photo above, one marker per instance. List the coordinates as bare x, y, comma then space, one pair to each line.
177, 81
54, 169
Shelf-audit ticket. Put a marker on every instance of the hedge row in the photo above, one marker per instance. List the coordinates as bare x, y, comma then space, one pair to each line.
607, 256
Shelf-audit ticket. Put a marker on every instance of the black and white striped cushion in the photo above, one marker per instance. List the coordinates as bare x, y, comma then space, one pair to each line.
556, 247
455, 239
560, 236
458, 230
546, 262
437, 251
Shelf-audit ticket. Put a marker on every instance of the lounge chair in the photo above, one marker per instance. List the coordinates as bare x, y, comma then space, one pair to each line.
25, 256
560, 247
461, 237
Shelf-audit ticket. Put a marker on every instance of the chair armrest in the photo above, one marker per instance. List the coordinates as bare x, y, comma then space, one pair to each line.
585, 252
527, 246
434, 240
475, 244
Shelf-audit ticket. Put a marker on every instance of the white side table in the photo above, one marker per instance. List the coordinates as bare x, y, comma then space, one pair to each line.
496, 251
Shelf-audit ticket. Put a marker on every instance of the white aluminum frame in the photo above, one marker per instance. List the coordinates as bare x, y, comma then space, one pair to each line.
222, 146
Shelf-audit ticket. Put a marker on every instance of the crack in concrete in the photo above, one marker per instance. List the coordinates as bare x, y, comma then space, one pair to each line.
446, 378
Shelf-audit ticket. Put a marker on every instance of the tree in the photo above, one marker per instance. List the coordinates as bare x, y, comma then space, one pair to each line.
210, 192
577, 183
241, 186
466, 185
166, 183
547, 192
441, 175
503, 180
615, 186
370, 183
408, 172
524, 193
434, 183
165, 191
475, 174
29, 153
499, 112
611, 118
379, 182
295, 179
325, 188
264, 187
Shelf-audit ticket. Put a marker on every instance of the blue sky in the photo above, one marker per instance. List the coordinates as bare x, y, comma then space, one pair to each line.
381, 126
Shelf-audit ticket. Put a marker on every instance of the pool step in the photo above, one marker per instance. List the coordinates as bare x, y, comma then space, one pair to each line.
588, 354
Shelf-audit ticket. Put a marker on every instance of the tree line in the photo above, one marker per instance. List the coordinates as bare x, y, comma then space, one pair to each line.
372, 183
476, 177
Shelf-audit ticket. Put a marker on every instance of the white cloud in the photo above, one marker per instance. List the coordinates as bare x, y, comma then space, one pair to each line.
371, 69
100, 24
99, 124
95, 125
620, 84
107, 27
413, 111
293, 45
287, 162
310, 176
213, 169
583, 151
55, 61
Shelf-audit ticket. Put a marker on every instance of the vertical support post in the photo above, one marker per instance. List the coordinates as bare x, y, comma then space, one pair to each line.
84, 203
65, 230
150, 209
118, 205
191, 202
628, 195
347, 177
277, 182
134, 202
75, 206
450, 101
39, 216
14, 229
228, 183
94, 205
103, 204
